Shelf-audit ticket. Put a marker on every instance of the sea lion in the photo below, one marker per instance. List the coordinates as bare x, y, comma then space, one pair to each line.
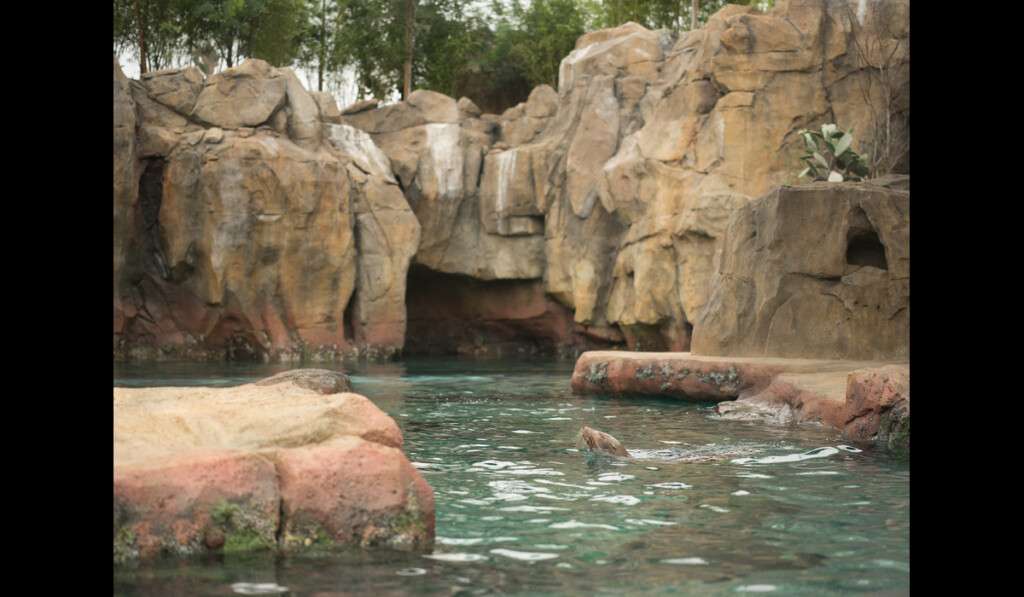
600, 442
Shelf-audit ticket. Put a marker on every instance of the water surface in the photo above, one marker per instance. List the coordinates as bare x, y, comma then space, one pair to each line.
710, 507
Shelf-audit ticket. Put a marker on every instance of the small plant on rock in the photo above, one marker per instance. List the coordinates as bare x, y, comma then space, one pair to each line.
829, 156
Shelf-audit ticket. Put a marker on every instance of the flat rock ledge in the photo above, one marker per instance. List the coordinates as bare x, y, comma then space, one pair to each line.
866, 400
282, 465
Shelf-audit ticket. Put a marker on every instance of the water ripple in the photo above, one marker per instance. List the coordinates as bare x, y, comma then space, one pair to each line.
815, 453
575, 524
529, 556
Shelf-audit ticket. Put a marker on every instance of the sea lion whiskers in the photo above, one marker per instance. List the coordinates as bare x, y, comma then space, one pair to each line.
578, 440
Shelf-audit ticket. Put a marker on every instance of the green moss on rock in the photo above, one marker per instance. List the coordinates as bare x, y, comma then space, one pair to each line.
241, 530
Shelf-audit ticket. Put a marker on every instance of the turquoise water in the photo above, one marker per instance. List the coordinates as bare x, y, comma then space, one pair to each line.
710, 507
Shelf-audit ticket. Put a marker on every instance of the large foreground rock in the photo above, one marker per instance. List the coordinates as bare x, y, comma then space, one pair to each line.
866, 400
285, 463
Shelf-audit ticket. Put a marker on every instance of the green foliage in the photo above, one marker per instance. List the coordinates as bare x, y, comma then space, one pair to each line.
150, 28
829, 157
493, 49
543, 35
658, 14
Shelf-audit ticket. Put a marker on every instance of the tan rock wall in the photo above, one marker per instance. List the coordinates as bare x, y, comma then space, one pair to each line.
613, 191
815, 271
244, 224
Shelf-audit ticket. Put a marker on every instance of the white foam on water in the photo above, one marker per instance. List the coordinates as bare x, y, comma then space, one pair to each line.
471, 540
629, 500
756, 589
563, 498
457, 557
741, 492
475, 502
615, 477
516, 486
411, 572
526, 556
849, 448
258, 588
575, 524
522, 431
815, 453
647, 521
492, 464
550, 546
672, 485
685, 561
531, 509
819, 473
546, 482
718, 509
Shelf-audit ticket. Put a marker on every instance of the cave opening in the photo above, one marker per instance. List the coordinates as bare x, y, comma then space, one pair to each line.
863, 247
452, 314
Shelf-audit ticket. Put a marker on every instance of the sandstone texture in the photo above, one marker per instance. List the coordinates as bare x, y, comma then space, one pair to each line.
866, 400
813, 271
281, 464
289, 228
246, 227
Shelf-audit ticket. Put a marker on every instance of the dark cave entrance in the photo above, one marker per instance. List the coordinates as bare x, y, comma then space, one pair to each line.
451, 314
863, 247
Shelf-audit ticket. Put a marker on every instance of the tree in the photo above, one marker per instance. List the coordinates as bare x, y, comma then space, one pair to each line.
151, 29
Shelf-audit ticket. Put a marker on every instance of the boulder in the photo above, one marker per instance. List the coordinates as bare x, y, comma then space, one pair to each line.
816, 271
246, 95
866, 400
278, 464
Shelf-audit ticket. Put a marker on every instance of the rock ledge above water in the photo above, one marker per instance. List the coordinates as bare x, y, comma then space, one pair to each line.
867, 400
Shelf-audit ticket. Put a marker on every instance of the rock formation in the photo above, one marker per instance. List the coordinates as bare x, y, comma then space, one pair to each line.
286, 463
247, 227
813, 271
866, 400
290, 228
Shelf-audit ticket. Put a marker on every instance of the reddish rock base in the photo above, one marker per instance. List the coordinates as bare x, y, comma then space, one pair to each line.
279, 465
866, 400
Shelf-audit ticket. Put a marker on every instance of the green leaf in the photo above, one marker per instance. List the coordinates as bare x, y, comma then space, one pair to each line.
803, 173
821, 160
834, 176
844, 144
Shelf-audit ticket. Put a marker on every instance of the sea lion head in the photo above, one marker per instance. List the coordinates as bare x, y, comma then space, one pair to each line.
600, 442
